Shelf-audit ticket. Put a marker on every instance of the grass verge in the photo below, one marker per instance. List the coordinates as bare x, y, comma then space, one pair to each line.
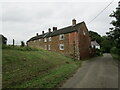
115, 56
35, 69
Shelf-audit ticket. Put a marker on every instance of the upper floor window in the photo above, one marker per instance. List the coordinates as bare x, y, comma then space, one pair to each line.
39, 40
84, 33
61, 47
50, 38
45, 39
62, 37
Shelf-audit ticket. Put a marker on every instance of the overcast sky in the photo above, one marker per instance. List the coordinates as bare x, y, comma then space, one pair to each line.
21, 20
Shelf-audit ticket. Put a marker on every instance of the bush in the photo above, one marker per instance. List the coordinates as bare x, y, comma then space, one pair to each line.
98, 52
19, 48
114, 50
115, 53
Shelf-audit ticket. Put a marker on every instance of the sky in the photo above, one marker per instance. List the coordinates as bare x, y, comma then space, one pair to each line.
22, 19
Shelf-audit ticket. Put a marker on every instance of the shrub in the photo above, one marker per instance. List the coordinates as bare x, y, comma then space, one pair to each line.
114, 50
20, 48
98, 52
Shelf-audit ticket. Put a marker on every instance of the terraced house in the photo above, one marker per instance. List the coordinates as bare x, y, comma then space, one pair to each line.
72, 41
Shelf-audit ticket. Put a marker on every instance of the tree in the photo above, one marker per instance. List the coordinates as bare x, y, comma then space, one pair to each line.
104, 41
95, 36
114, 32
22, 44
106, 45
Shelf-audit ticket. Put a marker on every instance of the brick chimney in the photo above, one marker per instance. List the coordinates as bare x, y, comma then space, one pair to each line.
49, 30
73, 22
36, 34
42, 32
54, 28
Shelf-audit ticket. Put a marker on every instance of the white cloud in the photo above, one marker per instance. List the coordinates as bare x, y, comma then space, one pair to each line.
23, 20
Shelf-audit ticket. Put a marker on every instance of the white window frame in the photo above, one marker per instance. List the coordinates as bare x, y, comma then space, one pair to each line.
61, 46
45, 47
84, 33
49, 47
50, 38
62, 35
45, 39
39, 40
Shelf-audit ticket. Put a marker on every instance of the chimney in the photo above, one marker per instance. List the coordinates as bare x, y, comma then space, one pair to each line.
36, 34
42, 32
49, 30
54, 28
73, 22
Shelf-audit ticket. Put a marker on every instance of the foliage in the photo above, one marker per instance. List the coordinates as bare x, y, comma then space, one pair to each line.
114, 32
20, 48
98, 52
95, 36
35, 69
106, 45
22, 44
104, 41
114, 52
115, 56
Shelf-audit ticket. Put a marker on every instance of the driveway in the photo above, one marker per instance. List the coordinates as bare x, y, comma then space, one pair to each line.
100, 72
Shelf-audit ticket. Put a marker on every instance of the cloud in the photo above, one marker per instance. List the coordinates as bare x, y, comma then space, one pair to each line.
21, 21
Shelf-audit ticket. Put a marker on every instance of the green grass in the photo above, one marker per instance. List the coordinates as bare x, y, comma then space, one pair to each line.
115, 56
35, 69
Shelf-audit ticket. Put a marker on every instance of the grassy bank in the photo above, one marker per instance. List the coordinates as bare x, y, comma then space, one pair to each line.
35, 69
115, 56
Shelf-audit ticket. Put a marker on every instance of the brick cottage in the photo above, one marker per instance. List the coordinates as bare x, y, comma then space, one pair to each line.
71, 41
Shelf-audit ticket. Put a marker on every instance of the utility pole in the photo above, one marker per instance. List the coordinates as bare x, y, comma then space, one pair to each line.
13, 42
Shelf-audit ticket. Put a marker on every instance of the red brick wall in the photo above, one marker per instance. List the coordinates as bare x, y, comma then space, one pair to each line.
84, 42
76, 44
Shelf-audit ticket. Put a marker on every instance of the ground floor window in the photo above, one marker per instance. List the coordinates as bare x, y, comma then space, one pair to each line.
61, 46
45, 47
49, 48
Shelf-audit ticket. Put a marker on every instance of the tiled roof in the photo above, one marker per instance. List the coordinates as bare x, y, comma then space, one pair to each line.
1, 36
65, 30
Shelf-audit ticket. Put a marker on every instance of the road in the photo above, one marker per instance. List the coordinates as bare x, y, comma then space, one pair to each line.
99, 72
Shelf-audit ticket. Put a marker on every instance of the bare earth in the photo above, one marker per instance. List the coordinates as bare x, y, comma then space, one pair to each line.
100, 72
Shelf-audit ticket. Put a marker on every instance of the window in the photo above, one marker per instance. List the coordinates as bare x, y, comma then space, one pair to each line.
50, 38
39, 40
62, 37
49, 47
84, 33
45, 47
61, 47
45, 39
34, 41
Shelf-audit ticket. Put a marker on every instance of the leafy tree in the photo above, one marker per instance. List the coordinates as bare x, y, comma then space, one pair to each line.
95, 36
106, 45
114, 32
22, 44
104, 41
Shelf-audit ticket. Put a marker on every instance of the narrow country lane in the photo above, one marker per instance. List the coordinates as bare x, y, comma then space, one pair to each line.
99, 72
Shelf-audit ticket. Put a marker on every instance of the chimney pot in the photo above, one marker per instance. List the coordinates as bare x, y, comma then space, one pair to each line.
54, 28
49, 30
73, 22
42, 32
36, 34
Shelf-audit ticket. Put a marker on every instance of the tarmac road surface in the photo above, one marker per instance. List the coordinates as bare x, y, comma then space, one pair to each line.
99, 72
